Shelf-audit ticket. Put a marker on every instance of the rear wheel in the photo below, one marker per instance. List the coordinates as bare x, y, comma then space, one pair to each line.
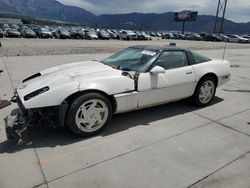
205, 91
89, 114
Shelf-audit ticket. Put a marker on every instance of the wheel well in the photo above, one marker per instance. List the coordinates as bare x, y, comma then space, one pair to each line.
211, 75
72, 97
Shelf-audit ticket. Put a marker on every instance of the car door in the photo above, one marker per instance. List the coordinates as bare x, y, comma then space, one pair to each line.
176, 83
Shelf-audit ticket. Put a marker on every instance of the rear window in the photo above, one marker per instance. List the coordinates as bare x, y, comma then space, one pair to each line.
200, 58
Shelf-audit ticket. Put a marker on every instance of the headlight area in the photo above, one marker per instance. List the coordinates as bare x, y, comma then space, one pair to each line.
36, 93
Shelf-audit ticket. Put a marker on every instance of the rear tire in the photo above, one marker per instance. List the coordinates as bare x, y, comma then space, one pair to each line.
205, 91
89, 114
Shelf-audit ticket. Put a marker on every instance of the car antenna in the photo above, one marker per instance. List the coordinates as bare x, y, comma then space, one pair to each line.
224, 51
8, 72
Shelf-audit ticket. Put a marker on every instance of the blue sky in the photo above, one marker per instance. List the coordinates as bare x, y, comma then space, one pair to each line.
237, 10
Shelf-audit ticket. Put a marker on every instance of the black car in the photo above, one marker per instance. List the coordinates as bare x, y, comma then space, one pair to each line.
212, 37
62, 33
13, 33
193, 36
28, 33
103, 35
1, 33
76, 34
179, 36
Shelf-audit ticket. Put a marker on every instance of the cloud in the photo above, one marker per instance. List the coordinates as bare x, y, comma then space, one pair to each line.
237, 10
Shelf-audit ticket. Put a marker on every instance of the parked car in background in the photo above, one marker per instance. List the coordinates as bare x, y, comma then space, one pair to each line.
153, 34
35, 29
1, 33
127, 35
14, 26
246, 37
102, 34
13, 33
212, 37
91, 35
62, 33
76, 33
112, 34
236, 38
158, 34
193, 36
167, 36
6, 26
28, 33
179, 36
241, 39
44, 33
223, 37
141, 35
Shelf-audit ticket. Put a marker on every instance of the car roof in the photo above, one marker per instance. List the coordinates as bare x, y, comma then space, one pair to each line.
158, 47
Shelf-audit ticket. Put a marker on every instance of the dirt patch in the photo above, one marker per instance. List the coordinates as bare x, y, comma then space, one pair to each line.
38, 47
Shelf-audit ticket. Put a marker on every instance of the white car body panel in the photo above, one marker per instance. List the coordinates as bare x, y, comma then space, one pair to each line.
65, 80
174, 84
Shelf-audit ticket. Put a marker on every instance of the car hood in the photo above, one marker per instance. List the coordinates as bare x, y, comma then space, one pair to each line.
81, 74
30, 32
14, 32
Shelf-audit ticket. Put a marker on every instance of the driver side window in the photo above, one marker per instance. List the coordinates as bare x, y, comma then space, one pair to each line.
172, 59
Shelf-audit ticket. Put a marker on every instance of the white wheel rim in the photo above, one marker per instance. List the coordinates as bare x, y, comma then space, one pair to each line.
91, 115
206, 92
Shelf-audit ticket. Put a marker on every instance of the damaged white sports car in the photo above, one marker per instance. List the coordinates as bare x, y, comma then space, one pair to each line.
84, 95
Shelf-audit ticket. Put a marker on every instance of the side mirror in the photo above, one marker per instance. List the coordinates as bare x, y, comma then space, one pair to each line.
157, 70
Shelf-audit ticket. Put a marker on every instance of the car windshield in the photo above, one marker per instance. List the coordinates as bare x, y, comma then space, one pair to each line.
28, 30
12, 30
132, 59
103, 32
91, 32
45, 30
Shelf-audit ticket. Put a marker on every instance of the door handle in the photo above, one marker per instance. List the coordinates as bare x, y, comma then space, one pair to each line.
190, 72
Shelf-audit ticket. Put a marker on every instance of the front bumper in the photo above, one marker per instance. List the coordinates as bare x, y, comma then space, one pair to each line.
21, 119
16, 123
15, 127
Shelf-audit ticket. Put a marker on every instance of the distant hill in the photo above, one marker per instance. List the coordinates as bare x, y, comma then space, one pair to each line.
53, 10
48, 9
166, 22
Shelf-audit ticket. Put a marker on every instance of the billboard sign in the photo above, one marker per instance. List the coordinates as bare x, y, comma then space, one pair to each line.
186, 16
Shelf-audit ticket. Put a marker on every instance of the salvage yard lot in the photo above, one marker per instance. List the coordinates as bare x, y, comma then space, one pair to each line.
173, 145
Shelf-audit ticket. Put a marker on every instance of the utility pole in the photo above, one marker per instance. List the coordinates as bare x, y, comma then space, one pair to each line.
183, 26
221, 9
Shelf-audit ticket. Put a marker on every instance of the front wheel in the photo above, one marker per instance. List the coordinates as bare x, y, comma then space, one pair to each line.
205, 91
89, 114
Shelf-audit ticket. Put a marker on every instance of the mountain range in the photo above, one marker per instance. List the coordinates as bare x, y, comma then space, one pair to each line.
54, 10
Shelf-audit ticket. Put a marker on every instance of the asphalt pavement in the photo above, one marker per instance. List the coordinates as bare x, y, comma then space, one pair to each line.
174, 145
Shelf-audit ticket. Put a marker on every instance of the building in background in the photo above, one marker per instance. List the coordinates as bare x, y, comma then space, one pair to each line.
11, 21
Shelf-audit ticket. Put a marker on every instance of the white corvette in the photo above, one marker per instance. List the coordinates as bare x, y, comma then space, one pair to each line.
84, 95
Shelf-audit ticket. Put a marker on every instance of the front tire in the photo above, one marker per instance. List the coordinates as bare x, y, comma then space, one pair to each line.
89, 114
205, 91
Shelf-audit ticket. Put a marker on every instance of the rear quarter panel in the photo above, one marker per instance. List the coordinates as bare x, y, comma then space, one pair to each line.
221, 68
